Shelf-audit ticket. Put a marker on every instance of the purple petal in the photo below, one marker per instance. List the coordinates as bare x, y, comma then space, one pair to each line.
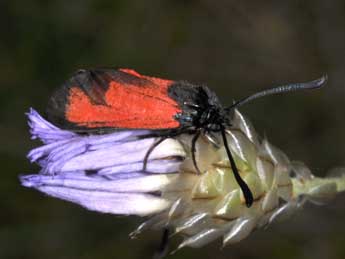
99, 194
138, 182
128, 157
109, 202
154, 166
41, 152
44, 130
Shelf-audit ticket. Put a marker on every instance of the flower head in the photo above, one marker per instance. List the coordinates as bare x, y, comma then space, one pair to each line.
104, 173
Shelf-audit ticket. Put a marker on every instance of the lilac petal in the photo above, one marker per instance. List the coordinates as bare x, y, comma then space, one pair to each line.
59, 156
117, 154
154, 166
109, 202
78, 180
41, 152
44, 130
119, 176
127, 154
101, 194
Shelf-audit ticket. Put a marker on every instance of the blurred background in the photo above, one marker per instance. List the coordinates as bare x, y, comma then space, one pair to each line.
235, 47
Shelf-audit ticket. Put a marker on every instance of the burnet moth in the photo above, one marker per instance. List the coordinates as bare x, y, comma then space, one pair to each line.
98, 100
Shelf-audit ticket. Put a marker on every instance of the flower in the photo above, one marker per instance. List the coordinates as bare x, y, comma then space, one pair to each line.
104, 173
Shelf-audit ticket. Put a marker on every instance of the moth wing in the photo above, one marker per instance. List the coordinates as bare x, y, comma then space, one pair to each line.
115, 99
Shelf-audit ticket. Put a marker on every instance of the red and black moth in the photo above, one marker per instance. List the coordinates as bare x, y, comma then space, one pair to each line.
98, 100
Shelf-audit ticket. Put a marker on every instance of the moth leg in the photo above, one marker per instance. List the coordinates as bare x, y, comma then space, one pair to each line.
163, 247
149, 151
248, 196
194, 140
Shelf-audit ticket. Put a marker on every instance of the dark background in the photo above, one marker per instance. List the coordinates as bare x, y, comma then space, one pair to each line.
235, 47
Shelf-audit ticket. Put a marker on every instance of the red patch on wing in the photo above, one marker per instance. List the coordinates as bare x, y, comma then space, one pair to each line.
146, 105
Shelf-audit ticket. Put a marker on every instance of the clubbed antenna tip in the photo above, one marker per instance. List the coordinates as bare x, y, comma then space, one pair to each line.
317, 83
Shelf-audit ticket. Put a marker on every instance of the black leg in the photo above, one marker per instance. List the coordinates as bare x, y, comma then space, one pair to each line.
244, 187
170, 134
149, 151
163, 247
194, 140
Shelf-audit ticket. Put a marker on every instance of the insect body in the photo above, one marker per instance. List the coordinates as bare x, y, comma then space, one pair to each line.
93, 101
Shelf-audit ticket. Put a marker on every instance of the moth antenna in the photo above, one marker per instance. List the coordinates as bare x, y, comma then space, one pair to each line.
315, 84
248, 196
